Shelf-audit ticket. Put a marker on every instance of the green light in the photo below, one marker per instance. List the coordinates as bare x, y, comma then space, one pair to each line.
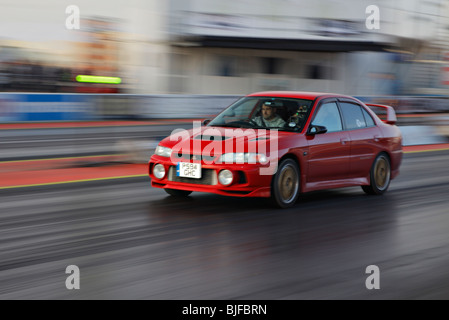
98, 79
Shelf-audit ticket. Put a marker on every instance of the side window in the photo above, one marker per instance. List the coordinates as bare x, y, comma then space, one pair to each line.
368, 119
328, 116
352, 116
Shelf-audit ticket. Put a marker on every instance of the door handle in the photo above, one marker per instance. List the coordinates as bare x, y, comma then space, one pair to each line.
376, 138
344, 140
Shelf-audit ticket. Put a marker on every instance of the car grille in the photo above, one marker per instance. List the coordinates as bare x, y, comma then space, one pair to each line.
208, 177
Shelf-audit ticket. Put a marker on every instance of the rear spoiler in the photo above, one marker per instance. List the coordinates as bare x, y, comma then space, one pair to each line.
391, 114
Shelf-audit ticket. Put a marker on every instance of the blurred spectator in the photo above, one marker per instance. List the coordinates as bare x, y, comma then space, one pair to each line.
4, 77
27, 76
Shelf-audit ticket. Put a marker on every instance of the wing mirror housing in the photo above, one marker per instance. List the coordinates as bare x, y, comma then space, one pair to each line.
316, 130
206, 122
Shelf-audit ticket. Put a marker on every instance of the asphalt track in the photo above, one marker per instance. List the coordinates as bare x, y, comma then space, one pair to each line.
131, 241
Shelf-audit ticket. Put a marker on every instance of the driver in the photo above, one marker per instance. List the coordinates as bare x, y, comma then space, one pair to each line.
269, 117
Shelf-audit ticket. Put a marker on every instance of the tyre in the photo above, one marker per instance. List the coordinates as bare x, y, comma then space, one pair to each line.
178, 193
285, 185
380, 175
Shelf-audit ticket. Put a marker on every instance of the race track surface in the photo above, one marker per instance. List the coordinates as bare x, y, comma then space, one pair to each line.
131, 241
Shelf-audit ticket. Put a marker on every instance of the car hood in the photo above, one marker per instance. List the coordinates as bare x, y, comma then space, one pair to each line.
218, 140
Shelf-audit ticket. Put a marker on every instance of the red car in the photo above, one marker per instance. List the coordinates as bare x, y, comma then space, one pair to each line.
279, 145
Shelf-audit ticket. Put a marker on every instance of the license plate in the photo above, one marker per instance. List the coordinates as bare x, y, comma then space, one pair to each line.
188, 170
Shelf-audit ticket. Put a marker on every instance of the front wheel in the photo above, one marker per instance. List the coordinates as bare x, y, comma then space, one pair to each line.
380, 175
178, 193
285, 187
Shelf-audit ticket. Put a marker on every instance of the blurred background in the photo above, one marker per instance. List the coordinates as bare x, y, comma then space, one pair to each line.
74, 187
208, 47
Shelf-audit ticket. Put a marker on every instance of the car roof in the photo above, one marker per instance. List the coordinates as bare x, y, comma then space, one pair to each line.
297, 94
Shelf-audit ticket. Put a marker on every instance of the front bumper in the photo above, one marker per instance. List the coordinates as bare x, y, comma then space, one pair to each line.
248, 180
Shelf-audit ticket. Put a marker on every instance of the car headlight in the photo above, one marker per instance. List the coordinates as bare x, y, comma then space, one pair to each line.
225, 177
163, 151
159, 171
243, 158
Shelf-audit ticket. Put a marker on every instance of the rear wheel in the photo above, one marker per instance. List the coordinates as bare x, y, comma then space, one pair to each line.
380, 175
285, 188
178, 193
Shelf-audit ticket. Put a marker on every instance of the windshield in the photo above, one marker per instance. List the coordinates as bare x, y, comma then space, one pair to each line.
265, 113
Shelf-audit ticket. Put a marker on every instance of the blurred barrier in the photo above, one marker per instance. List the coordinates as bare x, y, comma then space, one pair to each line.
420, 135
182, 106
411, 104
78, 107
15, 107
44, 107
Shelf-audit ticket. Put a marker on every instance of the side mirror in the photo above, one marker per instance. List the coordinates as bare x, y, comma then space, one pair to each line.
206, 121
316, 130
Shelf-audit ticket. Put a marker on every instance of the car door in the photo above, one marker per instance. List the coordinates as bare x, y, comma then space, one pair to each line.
328, 156
364, 136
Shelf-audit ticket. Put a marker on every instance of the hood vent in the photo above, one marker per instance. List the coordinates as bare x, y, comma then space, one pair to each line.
211, 138
260, 139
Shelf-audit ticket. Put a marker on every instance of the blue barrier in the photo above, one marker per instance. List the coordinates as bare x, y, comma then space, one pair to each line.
8, 108
44, 107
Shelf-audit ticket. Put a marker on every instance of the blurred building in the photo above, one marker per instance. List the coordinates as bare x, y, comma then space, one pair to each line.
219, 47
249, 45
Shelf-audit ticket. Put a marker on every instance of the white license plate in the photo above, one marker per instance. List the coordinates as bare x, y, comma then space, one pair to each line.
188, 170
